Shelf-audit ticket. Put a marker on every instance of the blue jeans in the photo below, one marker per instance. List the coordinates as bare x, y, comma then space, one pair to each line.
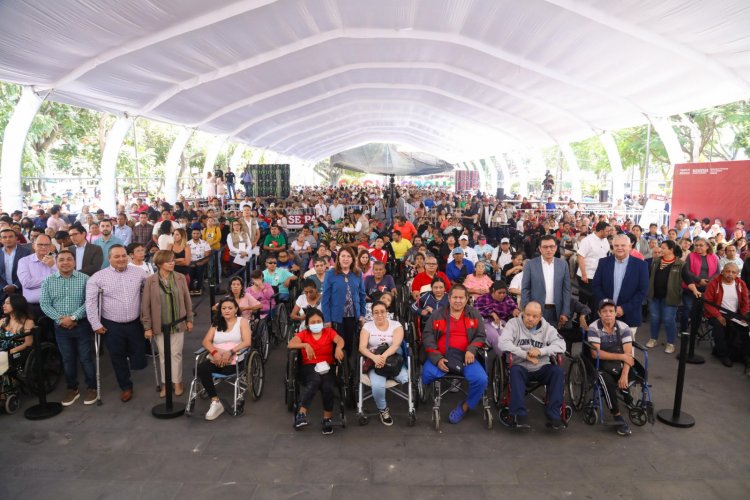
660, 313
126, 348
550, 375
473, 373
75, 346
389, 212
377, 384
230, 190
248, 188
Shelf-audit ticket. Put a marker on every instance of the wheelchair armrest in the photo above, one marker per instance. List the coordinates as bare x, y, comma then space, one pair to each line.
200, 351
640, 347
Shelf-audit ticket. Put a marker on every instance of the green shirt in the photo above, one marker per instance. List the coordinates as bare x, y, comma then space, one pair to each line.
64, 296
270, 240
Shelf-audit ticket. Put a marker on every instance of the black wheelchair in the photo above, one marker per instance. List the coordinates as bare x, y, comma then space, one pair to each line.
501, 389
249, 376
18, 372
293, 384
588, 393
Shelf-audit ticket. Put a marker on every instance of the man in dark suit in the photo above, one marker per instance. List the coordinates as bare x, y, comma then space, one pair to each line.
623, 279
546, 280
89, 257
12, 253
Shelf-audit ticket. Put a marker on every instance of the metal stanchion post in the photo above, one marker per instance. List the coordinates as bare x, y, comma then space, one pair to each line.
44, 409
169, 409
676, 417
695, 319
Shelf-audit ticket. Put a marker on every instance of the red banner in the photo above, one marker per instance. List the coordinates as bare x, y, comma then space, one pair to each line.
717, 190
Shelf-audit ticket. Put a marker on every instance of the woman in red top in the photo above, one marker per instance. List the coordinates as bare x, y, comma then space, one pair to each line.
319, 346
378, 253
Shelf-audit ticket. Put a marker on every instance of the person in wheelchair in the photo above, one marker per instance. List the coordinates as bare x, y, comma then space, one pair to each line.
262, 292
612, 342
496, 308
17, 319
319, 346
451, 338
228, 335
280, 277
432, 300
384, 297
530, 340
381, 333
379, 281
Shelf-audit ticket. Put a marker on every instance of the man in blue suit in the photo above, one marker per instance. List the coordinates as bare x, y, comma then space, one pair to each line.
546, 280
623, 279
12, 253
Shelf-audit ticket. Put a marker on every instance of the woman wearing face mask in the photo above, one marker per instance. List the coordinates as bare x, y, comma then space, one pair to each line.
318, 346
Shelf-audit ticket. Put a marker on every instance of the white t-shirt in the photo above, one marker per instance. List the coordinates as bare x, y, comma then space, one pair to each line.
378, 336
592, 248
296, 246
198, 250
502, 258
730, 301
165, 241
302, 303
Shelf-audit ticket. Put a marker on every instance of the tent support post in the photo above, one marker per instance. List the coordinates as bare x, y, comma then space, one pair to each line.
576, 193
172, 166
108, 184
615, 162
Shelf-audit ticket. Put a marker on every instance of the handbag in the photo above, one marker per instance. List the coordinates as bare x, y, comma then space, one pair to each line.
393, 363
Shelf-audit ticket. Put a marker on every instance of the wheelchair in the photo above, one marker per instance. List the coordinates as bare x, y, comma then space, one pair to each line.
293, 384
391, 386
501, 390
261, 328
249, 376
18, 374
587, 391
438, 392
280, 320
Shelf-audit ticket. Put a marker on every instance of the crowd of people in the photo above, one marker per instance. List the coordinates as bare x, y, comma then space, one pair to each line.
524, 280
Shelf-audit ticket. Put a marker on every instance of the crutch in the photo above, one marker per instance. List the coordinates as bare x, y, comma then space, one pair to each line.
97, 350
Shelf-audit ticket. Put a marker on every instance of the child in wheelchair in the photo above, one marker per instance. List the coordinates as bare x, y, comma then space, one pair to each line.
318, 346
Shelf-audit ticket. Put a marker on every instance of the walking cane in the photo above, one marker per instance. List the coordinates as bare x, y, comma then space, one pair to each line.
155, 354
97, 351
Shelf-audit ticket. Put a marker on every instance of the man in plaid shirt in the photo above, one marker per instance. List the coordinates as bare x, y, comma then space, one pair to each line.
63, 299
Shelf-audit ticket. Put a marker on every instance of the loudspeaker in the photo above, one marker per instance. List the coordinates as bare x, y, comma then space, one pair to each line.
500, 195
603, 196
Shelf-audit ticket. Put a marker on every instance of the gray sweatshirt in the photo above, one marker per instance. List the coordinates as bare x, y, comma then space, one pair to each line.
516, 339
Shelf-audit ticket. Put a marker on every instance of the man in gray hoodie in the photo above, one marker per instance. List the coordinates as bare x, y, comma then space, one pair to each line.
530, 340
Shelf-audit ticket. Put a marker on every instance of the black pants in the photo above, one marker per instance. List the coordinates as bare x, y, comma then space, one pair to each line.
611, 372
196, 277
585, 294
314, 382
45, 324
724, 336
124, 342
205, 374
348, 329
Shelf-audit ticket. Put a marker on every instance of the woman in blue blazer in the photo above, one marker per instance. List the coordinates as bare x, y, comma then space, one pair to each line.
344, 298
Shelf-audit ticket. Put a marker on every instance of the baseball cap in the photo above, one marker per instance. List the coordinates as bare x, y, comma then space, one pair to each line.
458, 251
505, 240
463, 237
606, 302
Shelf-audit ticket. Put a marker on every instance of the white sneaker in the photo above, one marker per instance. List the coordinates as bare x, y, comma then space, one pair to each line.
651, 343
215, 410
669, 349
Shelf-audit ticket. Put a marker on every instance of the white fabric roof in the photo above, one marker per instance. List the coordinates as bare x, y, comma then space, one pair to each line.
457, 78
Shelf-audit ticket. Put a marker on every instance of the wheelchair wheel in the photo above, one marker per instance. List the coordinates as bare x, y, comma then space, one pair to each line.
11, 404
499, 381
412, 420
291, 382
638, 416
255, 374
590, 414
436, 418
487, 416
282, 323
264, 343
577, 383
52, 369
362, 419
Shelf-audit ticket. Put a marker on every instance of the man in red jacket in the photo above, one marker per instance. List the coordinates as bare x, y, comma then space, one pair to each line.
729, 292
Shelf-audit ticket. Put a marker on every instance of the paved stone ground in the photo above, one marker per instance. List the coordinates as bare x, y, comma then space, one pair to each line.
120, 451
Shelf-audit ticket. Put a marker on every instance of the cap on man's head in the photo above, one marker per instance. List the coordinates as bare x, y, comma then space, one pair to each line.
457, 251
463, 237
505, 240
606, 302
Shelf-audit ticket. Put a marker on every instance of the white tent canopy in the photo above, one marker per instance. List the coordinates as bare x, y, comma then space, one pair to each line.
456, 78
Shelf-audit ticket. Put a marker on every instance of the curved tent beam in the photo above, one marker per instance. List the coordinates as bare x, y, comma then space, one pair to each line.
378, 102
374, 34
172, 165
598, 16
665, 129
615, 162
573, 170
367, 86
108, 182
277, 91
14, 139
